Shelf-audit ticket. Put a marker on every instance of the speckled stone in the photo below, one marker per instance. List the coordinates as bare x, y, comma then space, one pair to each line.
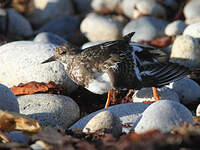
193, 30
41, 12
49, 109
187, 90
8, 100
146, 94
175, 28
163, 115
48, 37
186, 51
146, 28
127, 113
104, 120
101, 28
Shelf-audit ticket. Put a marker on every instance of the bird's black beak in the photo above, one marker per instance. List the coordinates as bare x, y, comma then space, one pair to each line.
49, 60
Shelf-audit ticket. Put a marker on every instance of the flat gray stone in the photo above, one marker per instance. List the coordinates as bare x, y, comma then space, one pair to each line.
104, 120
193, 30
146, 94
186, 51
100, 28
49, 109
145, 28
175, 28
8, 100
163, 115
127, 113
48, 37
187, 90
41, 12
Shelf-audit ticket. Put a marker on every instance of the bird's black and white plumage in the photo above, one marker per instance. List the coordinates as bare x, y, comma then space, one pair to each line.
118, 64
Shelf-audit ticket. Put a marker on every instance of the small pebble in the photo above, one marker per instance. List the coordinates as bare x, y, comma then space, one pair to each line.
48, 37
65, 27
186, 51
175, 28
128, 7
198, 110
127, 113
163, 115
104, 120
191, 10
41, 12
146, 94
193, 30
146, 28
101, 28
49, 109
187, 90
8, 100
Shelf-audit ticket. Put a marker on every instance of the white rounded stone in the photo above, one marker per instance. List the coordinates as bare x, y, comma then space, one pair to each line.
40, 12
187, 90
175, 28
49, 109
151, 8
104, 120
8, 100
163, 115
100, 28
193, 30
100, 5
127, 113
198, 110
146, 94
128, 7
191, 9
18, 25
186, 51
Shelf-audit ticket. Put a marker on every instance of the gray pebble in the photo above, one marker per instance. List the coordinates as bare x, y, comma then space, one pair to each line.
146, 94
49, 109
146, 28
41, 12
101, 28
175, 28
104, 120
48, 37
8, 100
163, 115
187, 90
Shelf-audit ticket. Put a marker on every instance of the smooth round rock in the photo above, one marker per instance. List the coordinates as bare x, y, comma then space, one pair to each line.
104, 120
48, 37
104, 5
128, 7
65, 27
186, 51
100, 28
191, 9
89, 44
198, 110
49, 109
8, 100
16, 26
150, 8
146, 94
175, 28
127, 113
193, 30
146, 28
41, 12
187, 90
163, 115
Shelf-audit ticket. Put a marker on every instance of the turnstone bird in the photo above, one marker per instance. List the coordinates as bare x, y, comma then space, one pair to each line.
118, 64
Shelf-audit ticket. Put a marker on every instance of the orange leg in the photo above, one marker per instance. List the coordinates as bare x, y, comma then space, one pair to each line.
155, 94
108, 98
